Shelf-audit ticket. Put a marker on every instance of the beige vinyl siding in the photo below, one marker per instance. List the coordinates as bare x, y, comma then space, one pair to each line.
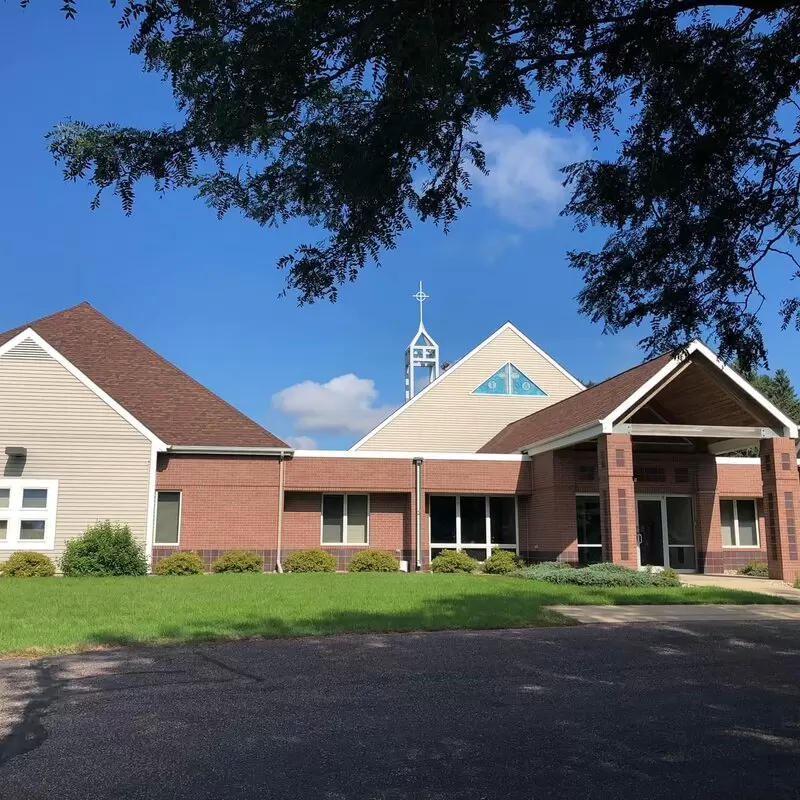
449, 418
101, 462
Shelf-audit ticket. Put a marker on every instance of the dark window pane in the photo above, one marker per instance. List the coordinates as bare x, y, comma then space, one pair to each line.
32, 530
443, 520
34, 498
356, 519
473, 520
590, 555
588, 519
726, 516
168, 509
503, 518
748, 533
478, 555
332, 518
682, 558
680, 523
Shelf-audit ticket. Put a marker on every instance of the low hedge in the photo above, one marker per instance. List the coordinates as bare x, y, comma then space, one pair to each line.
180, 564
603, 575
310, 561
27, 565
238, 561
756, 569
453, 561
107, 548
373, 561
502, 562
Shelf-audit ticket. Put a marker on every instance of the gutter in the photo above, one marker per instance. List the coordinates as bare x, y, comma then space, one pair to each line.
281, 472
201, 449
417, 462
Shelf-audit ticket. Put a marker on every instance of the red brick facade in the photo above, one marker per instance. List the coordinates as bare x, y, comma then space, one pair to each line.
231, 502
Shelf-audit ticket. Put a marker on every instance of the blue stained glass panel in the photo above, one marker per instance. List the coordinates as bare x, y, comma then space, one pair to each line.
497, 384
510, 380
521, 384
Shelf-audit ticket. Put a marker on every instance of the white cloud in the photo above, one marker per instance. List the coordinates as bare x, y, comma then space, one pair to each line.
524, 184
302, 442
345, 404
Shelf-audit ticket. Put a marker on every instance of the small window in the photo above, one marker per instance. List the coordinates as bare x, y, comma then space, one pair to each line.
28, 514
345, 519
587, 473
168, 518
739, 521
590, 541
650, 473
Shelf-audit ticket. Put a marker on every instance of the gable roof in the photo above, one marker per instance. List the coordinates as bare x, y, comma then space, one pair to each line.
583, 415
591, 405
175, 407
507, 326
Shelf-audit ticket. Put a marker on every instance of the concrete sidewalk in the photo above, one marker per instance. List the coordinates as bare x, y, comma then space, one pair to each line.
689, 613
744, 584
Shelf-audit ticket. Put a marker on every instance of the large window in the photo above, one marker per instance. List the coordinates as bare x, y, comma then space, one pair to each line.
739, 523
590, 543
476, 524
168, 518
28, 514
345, 519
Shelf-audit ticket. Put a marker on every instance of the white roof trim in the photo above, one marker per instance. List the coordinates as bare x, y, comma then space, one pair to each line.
698, 347
508, 326
740, 460
30, 333
410, 455
219, 449
583, 433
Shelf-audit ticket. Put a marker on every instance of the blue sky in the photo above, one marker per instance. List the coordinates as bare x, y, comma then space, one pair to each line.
204, 293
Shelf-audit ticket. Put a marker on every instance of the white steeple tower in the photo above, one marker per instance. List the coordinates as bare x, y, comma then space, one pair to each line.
422, 353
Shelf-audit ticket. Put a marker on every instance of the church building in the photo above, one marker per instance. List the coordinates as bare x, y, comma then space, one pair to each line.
502, 449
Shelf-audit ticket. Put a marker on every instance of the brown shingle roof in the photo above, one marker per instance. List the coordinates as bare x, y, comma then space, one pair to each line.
175, 407
580, 409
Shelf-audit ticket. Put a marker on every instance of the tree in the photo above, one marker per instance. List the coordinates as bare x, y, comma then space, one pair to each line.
329, 110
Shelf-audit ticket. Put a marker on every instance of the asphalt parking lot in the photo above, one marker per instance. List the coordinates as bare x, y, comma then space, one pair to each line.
699, 710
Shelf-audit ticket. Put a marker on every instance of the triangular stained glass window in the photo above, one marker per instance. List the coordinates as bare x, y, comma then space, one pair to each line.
510, 380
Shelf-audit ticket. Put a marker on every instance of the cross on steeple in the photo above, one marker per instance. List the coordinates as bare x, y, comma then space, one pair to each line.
420, 297
422, 353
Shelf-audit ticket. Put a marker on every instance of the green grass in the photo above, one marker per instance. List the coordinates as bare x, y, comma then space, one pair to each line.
46, 615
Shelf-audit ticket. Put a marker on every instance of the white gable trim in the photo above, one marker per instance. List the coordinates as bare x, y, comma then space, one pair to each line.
29, 333
790, 427
409, 455
508, 326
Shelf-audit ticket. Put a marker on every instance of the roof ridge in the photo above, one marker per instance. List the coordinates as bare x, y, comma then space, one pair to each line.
169, 363
36, 321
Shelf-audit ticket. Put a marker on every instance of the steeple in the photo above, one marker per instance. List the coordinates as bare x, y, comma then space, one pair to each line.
422, 353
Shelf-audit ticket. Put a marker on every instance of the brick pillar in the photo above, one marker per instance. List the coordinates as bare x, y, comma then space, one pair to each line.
708, 525
781, 498
617, 499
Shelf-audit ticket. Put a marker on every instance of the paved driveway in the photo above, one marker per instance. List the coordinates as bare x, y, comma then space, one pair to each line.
684, 711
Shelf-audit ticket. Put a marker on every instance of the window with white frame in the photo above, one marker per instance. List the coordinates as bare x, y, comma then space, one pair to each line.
590, 541
739, 520
345, 519
168, 518
28, 514
476, 524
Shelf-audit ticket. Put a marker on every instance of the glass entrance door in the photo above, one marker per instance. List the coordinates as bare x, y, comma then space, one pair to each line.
665, 527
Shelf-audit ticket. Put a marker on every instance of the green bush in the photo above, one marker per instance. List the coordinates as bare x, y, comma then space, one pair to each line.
27, 565
668, 572
603, 575
453, 561
238, 561
501, 562
757, 569
797, 584
180, 564
310, 561
107, 548
373, 561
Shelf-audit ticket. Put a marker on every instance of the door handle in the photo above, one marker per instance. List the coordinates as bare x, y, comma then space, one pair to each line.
638, 538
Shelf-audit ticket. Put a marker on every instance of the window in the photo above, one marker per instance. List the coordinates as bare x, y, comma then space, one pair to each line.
590, 543
476, 524
587, 473
345, 519
739, 523
168, 518
509, 380
28, 514
650, 473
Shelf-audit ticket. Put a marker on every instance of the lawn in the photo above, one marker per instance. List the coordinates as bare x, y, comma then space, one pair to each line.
47, 615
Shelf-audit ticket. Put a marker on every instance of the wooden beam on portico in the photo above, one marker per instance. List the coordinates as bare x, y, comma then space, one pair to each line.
697, 431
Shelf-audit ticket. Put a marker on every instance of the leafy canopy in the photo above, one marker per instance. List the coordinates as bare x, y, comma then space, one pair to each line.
328, 110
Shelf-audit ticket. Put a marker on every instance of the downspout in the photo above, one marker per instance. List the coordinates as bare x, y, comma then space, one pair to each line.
418, 490
281, 469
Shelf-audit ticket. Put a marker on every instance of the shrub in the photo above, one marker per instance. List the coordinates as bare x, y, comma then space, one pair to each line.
180, 564
310, 561
603, 575
501, 562
373, 561
453, 561
668, 572
757, 569
106, 548
238, 561
28, 565
797, 584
